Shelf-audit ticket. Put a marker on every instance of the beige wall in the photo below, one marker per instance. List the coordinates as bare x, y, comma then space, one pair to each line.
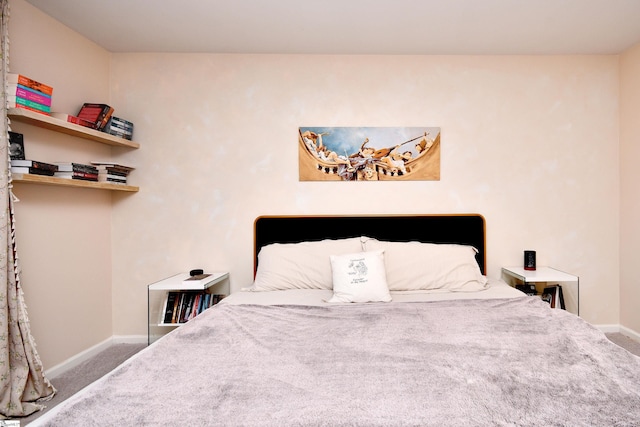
529, 142
630, 180
63, 235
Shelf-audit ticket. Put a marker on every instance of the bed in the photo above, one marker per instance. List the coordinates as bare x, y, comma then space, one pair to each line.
370, 321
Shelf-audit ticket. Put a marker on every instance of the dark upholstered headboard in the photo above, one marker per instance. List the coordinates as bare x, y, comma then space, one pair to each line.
465, 229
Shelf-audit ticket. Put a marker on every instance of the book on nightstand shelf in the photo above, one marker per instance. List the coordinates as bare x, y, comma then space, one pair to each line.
169, 306
554, 296
198, 279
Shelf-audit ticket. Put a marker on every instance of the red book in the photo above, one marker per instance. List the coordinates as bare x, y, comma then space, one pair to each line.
72, 119
96, 113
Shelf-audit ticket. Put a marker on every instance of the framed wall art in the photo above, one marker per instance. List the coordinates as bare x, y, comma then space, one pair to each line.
369, 153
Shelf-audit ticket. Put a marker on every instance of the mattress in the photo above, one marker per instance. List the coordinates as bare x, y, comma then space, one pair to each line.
490, 358
318, 297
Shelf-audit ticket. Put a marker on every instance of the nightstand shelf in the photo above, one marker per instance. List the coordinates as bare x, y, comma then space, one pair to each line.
541, 277
158, 297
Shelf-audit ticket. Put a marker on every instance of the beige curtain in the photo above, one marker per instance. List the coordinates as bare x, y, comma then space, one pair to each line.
22, 381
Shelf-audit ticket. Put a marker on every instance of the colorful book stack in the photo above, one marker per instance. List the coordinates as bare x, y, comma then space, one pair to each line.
181, 306
97, 114
33, 167
112, 172
120, 127
76, 171
24, 92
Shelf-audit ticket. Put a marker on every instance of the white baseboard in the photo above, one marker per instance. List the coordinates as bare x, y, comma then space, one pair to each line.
630, 333
619, 329
87, 354
608, 329
129, 339
74, 361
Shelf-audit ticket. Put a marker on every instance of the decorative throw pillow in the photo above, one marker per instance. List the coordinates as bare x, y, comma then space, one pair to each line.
418, 266
359, 277
303, 265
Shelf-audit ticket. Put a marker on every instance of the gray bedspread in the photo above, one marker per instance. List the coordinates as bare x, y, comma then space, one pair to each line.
508, 362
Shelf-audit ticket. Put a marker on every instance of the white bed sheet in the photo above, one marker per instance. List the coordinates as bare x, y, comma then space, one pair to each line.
495, 289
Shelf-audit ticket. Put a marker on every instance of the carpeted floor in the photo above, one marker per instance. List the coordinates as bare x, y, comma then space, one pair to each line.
84, 374
625, 342
75, 379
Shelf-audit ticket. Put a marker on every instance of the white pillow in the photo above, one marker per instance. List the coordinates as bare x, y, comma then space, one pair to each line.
417, 266
302, 265
359, 277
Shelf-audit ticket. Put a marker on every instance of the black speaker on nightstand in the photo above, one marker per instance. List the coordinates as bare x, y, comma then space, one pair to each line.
529, 260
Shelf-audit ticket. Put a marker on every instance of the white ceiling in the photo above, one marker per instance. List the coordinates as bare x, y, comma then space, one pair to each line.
354, 26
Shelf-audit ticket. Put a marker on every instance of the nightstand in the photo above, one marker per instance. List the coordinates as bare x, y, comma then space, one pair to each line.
544, 276
170, 302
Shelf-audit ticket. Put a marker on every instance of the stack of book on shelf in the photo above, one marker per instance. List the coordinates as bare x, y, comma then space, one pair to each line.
120, 127
33, 167
20, 164
181, 306
95, 113
24, 92
112, 172
72, 170
100, 117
